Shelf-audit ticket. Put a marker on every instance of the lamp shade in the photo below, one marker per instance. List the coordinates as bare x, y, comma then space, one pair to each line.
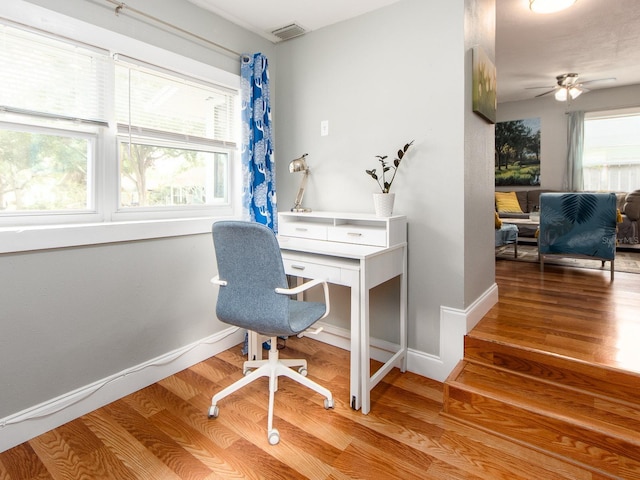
549, 6
561, 94
564, 93
298, 165
575, 92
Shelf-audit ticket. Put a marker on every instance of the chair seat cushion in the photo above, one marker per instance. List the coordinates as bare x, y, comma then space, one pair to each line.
304, 314
506, 235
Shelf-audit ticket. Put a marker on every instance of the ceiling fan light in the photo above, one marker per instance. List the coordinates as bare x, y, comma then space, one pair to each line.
561, 95
574, 92
549, 6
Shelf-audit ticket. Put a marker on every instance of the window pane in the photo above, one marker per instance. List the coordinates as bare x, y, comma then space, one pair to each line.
611, 159
44, 172
160, 176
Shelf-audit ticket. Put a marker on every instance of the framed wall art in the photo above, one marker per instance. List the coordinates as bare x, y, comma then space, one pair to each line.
517, 153
484, 99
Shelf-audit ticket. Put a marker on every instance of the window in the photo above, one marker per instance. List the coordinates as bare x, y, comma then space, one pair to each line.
91, 136
52, 99
611, 158
174, 138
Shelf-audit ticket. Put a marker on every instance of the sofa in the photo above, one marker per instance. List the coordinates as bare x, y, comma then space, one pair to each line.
529, 200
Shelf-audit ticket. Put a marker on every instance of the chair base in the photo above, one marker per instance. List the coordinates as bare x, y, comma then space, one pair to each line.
273, 367
541, 257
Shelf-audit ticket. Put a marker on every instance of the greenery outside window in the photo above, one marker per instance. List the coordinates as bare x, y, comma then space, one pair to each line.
157, 176
45, 170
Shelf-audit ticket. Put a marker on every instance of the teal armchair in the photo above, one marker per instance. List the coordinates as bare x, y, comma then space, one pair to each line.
578, 225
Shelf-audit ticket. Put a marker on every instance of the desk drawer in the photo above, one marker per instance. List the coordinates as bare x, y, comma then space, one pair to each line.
303, 230
312, 270
358, 234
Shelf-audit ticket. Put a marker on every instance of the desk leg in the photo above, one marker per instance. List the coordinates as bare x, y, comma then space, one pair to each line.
255, 346
365, 358
403, 313
355, 386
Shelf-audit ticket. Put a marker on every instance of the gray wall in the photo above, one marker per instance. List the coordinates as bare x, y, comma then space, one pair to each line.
72, 316
553, 124
398, 74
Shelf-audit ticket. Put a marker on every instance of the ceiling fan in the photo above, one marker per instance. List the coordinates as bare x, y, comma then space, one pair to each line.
568, 87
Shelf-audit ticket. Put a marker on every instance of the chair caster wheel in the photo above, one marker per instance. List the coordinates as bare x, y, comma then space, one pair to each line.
328, 403
214, 411
246, 371
302, 371
274, 437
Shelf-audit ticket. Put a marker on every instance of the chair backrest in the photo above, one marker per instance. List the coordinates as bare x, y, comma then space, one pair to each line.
249, 260
578, 223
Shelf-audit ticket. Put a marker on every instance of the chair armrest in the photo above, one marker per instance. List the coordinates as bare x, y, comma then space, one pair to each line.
216, 281
306, 286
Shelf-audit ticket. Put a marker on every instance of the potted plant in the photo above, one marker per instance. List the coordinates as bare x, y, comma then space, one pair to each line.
383, 202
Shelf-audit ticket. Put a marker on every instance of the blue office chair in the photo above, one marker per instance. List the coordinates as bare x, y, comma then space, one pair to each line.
254, 294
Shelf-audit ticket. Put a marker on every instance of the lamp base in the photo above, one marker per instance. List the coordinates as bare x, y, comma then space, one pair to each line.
300, 209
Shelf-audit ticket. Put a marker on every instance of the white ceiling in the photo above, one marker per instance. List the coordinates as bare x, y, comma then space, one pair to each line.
594, 38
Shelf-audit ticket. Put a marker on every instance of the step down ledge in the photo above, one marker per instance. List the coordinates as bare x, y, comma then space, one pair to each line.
629, 436
546, 353
532, 446
570, 361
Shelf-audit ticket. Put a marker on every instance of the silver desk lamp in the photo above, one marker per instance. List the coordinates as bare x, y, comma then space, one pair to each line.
300, 165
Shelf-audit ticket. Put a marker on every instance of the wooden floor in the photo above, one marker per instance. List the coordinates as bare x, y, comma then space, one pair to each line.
162, 432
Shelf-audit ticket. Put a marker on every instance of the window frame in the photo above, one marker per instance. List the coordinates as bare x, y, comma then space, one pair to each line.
107, 225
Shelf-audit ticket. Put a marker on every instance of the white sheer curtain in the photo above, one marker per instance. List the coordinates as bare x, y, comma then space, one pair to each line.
575, 146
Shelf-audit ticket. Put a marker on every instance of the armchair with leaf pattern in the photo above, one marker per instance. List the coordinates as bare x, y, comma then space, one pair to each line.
578, 225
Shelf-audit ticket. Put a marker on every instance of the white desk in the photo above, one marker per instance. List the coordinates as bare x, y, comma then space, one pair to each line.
359, 251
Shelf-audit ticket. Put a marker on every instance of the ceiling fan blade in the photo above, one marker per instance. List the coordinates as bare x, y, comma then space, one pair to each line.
545, 86
610, 79
546, 93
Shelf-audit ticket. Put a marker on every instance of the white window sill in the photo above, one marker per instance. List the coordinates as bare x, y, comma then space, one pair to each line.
28, 238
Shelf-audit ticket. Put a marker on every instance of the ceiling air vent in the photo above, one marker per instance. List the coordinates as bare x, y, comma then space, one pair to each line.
290, 31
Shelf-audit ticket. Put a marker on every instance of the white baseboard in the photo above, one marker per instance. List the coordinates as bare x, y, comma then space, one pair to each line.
380, 350
454, 325
22, 426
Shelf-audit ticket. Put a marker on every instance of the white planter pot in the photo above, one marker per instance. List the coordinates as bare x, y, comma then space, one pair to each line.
383, 204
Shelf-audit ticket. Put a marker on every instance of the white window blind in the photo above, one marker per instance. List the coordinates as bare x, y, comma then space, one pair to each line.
50, 78
153, 103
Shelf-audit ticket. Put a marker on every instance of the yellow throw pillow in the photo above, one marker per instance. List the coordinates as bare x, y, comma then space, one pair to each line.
507, 202
498, 222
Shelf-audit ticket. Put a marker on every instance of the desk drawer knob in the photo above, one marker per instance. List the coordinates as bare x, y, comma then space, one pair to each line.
354, 234
300, 229
298, 267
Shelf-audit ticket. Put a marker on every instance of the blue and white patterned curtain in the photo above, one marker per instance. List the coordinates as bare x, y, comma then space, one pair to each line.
258, 165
